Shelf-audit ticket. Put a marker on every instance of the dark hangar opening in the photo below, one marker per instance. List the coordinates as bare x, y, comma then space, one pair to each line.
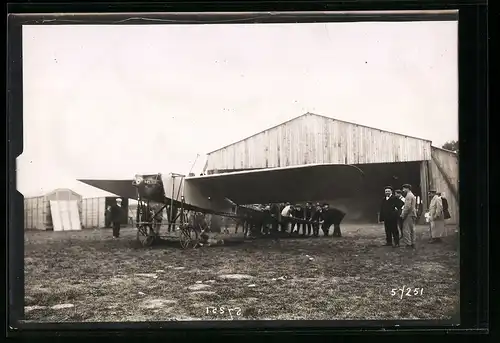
356, 190
363, 206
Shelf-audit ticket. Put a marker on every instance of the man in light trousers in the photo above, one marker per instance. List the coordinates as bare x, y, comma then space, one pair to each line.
409, 216
436, 217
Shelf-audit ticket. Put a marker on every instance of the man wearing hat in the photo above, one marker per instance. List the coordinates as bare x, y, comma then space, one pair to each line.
436, 217
308, 215
316, 218
116, 214
409, 216
389, 214
298, 212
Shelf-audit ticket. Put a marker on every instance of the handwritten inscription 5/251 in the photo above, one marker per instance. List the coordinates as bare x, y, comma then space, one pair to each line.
407, 292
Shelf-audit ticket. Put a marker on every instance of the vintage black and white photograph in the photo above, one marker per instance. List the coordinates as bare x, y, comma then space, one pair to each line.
268, 171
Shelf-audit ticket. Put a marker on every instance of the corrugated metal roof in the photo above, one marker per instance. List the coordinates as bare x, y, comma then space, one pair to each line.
317, 115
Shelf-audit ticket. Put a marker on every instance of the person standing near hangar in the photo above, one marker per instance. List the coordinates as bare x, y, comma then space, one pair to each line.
116, 213
389, 214
436, 217
409, 216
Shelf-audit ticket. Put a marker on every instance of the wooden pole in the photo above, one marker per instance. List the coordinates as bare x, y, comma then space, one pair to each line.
424, 188
172, 203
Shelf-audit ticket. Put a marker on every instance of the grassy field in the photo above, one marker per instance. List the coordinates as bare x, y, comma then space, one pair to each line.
88, 276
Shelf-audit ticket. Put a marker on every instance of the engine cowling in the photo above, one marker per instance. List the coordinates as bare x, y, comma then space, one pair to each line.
150, 187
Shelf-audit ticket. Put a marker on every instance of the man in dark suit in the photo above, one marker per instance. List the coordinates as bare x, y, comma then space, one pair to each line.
265, 220
299, 214
116, 214
331, 216
275, 215
337, 217
389, 213
316, 218
308, 215
446, 210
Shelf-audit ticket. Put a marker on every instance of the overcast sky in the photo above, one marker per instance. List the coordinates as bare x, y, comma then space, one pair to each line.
112, 101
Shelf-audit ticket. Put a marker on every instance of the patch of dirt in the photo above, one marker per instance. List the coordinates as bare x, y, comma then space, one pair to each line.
431, 267
198, 287
62, 306
34, 308
157, 303
251, 299
235, 276
154, 276
350, 278
202, 293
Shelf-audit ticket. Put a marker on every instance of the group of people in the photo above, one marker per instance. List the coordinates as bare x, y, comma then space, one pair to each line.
289, 219
398, 212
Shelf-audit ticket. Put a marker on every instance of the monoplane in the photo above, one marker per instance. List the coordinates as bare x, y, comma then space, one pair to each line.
226, 194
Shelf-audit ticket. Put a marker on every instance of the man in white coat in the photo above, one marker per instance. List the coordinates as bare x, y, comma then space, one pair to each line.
287, 218
436, 217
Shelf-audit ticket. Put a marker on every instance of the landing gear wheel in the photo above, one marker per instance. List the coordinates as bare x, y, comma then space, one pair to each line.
146, 235
188, 238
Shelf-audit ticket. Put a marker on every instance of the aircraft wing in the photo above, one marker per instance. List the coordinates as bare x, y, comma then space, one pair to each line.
126, 189
273, 185
122, 188
212, 192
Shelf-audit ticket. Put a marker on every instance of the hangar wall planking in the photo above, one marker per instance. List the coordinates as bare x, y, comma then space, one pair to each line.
312, 138
94, 212
444, 177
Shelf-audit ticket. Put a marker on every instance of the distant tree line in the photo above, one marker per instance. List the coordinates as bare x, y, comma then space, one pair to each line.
451, 145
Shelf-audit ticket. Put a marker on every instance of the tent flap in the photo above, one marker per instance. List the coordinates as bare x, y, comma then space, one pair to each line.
65, 215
